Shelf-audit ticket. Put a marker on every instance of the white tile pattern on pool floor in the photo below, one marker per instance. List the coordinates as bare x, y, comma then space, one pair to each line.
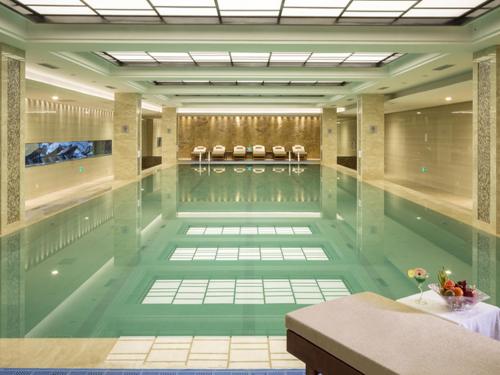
247, 230
245, 291
248, 253
239, 352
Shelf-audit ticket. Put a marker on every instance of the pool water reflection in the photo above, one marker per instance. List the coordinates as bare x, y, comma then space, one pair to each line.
88, 271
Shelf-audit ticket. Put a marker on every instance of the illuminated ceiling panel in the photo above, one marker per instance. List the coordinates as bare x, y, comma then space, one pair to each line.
251, 59
249, 83
330, 12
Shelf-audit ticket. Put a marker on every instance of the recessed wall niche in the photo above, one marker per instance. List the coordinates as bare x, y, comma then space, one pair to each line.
248, 130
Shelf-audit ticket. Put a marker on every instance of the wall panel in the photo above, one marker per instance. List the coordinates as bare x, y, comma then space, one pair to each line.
431, 147
246, 130
56, 122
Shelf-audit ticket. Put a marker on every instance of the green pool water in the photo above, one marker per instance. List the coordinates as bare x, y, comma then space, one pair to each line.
87, 271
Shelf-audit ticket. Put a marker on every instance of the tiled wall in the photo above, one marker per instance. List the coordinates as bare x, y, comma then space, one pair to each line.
249, 130
431, 147
56, 122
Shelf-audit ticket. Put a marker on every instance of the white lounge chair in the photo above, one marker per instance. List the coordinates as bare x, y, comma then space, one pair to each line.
199, 150
279, 152
299, 150
239, 152
218, 152
259, 151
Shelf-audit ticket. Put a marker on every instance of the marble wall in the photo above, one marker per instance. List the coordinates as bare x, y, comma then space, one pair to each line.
249, 130
52, 122
431, 147
49, 121
329, 137
346, 130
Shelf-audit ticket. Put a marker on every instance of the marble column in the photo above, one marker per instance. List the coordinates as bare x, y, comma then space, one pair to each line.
12, 119
169, 136
127, 140
370, 136
329, 137
486, 139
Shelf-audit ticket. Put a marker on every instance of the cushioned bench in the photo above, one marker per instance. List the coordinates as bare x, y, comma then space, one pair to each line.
369, 334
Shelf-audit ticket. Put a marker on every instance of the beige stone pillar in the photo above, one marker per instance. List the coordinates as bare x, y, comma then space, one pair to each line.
329, 137
127, 136
169, 136
370, 137
485, 139
12, 120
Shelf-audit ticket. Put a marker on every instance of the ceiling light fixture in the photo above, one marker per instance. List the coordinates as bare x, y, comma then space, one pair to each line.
448, 98
55, 97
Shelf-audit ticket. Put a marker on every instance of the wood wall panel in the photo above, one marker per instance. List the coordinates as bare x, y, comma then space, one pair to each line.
230, 131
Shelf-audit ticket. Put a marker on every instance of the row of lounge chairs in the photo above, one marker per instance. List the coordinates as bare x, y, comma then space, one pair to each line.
257, 152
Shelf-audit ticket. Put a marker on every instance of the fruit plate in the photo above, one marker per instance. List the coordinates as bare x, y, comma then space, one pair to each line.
460, 303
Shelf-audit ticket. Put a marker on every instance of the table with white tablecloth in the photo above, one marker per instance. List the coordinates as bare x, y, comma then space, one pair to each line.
483, 318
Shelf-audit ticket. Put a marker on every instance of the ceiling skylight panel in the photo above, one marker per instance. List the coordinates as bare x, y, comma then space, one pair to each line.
249, 82
196, 82
132, 56
449, 3
367, 57
118, 4
126, 12
430, 13
51, 2
316, 3
289, 57
311, 12
249, 13
174, 57
211, 57
359, 5
249, 5
319, 57
183, 3
63, 10
187, 12
250, 57
371, 14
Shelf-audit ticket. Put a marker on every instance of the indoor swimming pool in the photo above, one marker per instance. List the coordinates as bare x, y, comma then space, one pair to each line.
224, 251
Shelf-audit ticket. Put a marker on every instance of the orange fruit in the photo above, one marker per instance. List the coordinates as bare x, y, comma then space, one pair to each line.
458, 291
449, 284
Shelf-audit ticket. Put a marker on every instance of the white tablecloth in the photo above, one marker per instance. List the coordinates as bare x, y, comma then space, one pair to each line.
482, 318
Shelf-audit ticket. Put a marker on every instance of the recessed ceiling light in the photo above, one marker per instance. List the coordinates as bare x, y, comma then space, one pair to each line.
419, 113
54, 272
448, 98
55, 97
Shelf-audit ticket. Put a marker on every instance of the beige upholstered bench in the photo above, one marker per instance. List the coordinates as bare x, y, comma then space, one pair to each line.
369, 334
